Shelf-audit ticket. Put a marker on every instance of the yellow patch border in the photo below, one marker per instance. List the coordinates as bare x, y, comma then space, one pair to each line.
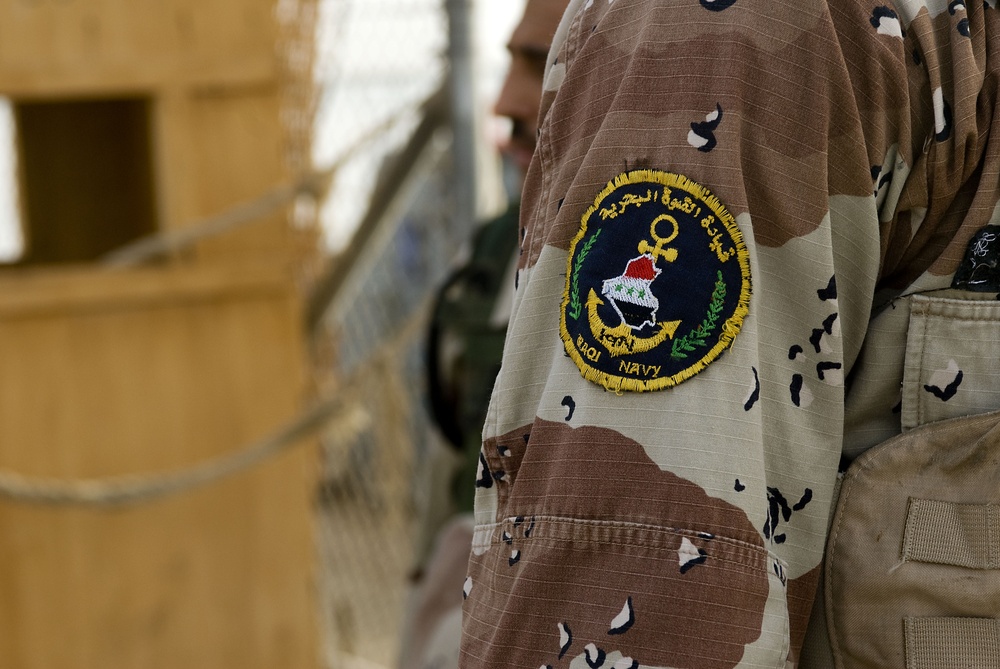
730, 328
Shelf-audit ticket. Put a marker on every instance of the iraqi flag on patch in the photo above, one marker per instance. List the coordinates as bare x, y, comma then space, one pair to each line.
631, 294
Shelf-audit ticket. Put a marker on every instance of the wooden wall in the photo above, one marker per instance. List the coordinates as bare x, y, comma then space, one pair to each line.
217, 148
110, 373
76, 47
153, 371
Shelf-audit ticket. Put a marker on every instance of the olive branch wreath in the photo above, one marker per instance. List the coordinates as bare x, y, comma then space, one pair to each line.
698, 336
575, 307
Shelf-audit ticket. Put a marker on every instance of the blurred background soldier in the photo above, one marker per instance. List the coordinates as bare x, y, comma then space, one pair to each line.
465, 345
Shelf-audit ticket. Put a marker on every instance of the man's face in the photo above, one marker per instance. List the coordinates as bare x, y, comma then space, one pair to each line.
521, 94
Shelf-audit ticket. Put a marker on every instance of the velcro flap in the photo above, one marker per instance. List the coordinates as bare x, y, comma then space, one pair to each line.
946, 533
947, 643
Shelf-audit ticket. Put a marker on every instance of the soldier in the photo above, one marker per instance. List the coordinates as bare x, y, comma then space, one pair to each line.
739, 241
466, 343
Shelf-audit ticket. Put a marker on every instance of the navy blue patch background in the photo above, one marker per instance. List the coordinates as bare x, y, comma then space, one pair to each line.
684, 288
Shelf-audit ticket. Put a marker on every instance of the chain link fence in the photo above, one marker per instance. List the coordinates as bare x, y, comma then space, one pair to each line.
390, 219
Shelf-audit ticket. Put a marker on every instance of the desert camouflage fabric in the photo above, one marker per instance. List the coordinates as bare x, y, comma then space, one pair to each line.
850, 141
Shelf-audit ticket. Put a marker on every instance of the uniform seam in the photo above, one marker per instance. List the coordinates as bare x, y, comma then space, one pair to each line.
920, 369
828, 594
565, 521
962, 319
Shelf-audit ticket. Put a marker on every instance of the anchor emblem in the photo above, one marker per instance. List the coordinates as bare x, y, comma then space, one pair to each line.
657, 251
619, 340
632, 298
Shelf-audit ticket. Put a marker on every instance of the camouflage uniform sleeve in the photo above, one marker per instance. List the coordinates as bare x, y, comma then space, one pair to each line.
721, 191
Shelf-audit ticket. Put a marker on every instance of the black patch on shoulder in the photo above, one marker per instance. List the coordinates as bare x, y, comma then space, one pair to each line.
794, 351
690, 564
570, 405
824, 367
816, 339
884, 181
817, 334
948, 391
830, 292
980, 270
804, 500
717, 5
485, 479
622, 626
948, 120
879, 13
595, 658
884, 12
568, 633
779, 511
796, 389
706, 129
739, 487
755, 394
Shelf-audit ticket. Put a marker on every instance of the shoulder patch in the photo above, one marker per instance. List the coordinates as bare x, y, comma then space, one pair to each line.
657, 283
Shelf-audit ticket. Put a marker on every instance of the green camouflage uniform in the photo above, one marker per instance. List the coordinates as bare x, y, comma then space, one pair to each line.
465, 344
730, 211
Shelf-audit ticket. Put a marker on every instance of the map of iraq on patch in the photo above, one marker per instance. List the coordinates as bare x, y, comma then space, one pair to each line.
657, 283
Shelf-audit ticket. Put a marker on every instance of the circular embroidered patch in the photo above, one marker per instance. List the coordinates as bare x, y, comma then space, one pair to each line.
657, 283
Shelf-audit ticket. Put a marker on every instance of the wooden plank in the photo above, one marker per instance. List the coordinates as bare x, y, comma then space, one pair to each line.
161, 372
216, 149
59, 47
81, 290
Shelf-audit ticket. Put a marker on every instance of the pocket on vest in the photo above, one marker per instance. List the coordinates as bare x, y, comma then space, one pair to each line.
912, 571
952, 364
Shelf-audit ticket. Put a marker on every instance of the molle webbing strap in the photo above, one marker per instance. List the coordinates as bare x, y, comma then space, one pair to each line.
962, 535
947, 643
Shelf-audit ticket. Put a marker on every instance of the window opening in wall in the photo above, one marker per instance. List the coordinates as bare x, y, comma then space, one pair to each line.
11, 239
86, 176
